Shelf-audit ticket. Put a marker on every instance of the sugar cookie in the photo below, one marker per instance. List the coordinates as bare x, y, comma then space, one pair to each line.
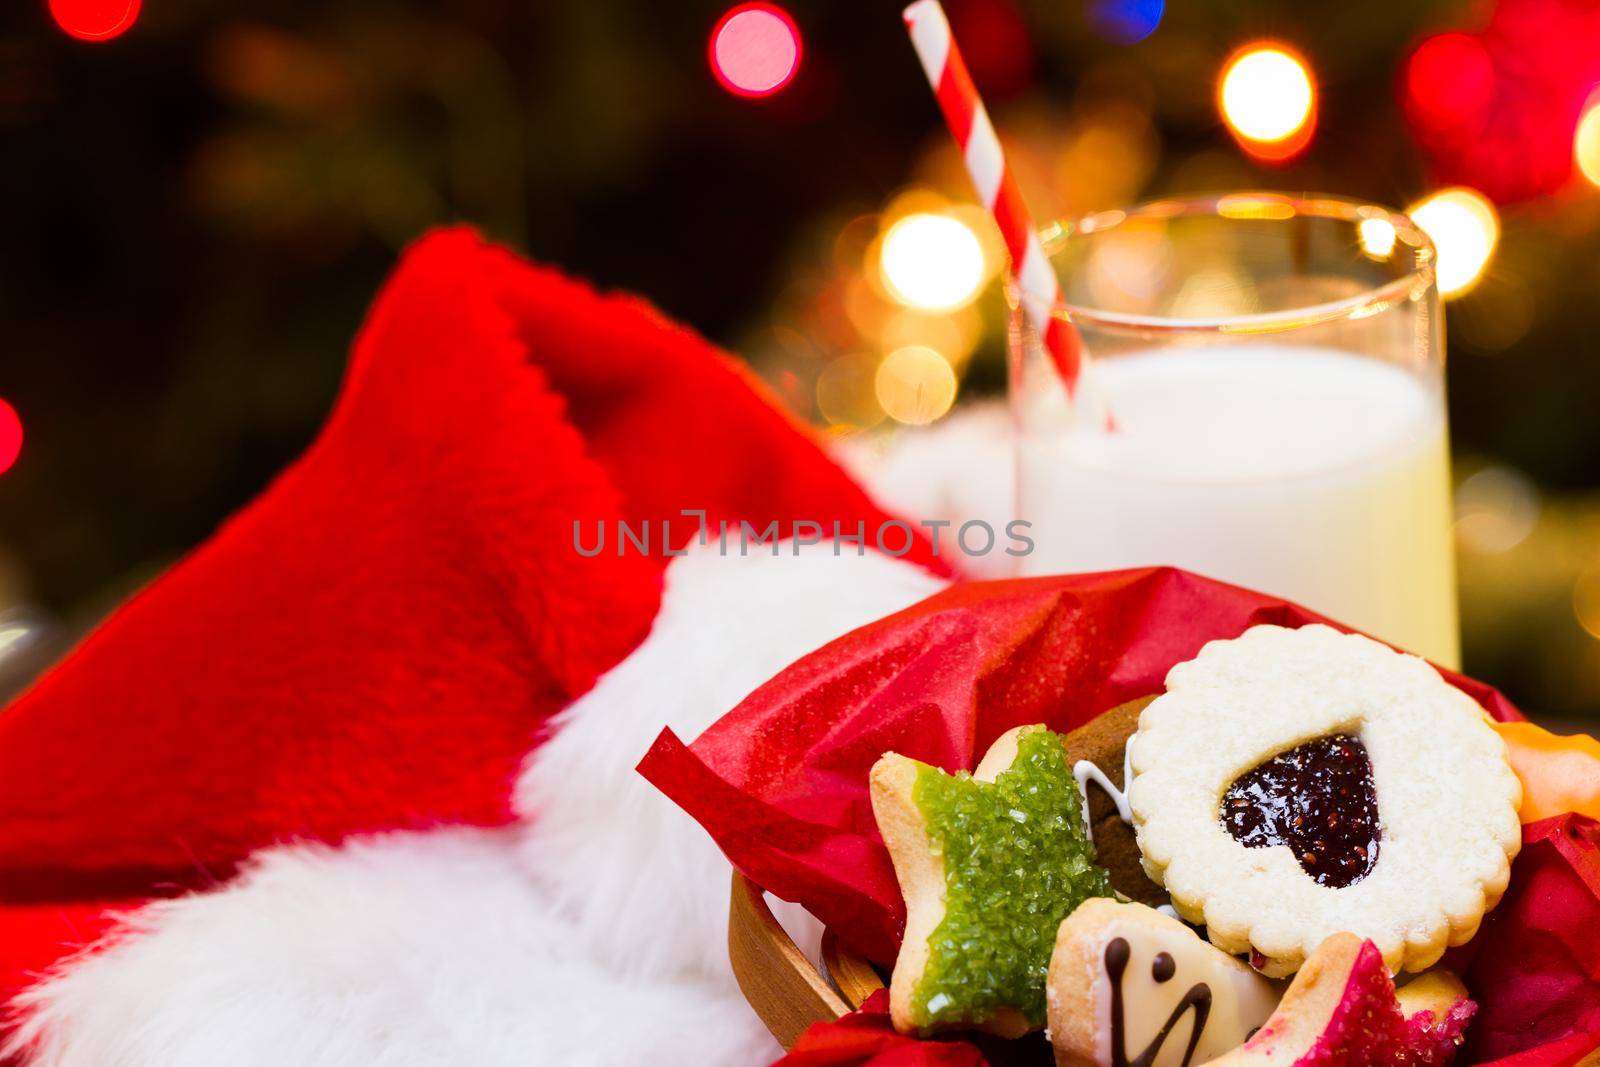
1291, 784
989, 864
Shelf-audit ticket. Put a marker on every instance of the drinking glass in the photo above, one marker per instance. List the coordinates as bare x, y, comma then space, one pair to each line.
1272, 368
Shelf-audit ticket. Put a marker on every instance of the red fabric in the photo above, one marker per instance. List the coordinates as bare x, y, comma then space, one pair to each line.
781, 781
1568, 1052
375, 642
1534, 968
867, 1037
32, 938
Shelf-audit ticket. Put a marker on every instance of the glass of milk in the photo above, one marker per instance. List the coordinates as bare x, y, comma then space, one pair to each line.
1273, 371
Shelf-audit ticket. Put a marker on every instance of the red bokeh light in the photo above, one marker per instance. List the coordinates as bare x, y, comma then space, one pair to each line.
10, 436
755, 49
95, 20
1450, 82
1496, 108
996, 44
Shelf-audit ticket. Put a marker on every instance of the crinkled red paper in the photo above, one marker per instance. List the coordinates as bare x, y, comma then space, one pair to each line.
1535, 965
867, 1036
781, 781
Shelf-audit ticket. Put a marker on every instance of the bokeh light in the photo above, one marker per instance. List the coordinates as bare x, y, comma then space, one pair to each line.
1377, 237
1130, 266
1465, 230
915, 385
10, 436
1449, 81
846, 394
95, 20
1124, 21
1501, 313
755, 49
953, 333
1497, 509
1586, 602
1215, 292
1586, 142
932, 261
1268, 100
17, 632
1111, 149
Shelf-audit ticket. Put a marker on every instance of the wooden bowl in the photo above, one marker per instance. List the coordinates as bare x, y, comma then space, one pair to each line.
781, 984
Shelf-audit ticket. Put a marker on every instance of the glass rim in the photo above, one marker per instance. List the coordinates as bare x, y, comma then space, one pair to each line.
1243, 206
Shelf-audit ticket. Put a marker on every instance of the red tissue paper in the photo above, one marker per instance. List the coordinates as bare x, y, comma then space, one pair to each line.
1535, 965
867, 1036
374, 643
781, 781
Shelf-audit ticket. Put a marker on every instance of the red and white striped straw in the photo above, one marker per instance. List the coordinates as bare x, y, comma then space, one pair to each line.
996, 186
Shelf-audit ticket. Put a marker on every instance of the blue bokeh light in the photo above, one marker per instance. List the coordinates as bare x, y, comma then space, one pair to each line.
1124, 21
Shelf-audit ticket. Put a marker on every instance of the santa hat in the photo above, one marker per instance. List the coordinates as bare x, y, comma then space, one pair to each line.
294, 802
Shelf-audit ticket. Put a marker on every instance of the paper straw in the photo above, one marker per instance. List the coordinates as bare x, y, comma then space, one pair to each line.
964, 113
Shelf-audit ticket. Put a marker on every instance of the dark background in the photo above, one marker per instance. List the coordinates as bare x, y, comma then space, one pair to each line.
195, 215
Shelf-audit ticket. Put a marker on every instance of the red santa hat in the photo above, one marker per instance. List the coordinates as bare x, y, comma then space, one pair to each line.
270, 811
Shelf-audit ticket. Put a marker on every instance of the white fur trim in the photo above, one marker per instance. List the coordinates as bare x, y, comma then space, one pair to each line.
407, 950
594, 937
642, 881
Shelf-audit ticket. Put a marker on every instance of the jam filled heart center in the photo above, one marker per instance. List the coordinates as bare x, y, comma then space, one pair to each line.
1318, 799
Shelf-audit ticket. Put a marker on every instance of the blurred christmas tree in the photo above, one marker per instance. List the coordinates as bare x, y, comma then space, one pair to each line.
197, 211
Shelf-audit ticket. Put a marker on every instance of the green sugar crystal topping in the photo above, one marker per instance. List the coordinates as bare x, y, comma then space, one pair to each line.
1017, 860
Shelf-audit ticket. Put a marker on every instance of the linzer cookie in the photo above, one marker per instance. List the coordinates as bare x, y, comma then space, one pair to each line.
1292, 784
1130, 986
989, 864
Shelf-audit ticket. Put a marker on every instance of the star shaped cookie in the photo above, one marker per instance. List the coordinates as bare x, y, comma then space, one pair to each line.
989, 864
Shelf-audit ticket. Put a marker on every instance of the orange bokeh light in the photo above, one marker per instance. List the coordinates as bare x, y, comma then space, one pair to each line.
1586, 141
1268, 99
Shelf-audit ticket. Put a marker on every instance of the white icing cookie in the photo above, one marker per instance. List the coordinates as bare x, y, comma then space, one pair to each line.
1129, 986
1270, 735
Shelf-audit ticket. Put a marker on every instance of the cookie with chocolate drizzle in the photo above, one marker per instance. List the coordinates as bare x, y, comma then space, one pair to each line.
1130, 987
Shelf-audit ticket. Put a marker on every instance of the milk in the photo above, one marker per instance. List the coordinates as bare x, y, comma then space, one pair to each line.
1307, 473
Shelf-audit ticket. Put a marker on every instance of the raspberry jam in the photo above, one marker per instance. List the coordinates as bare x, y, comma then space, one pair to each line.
1316, 798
